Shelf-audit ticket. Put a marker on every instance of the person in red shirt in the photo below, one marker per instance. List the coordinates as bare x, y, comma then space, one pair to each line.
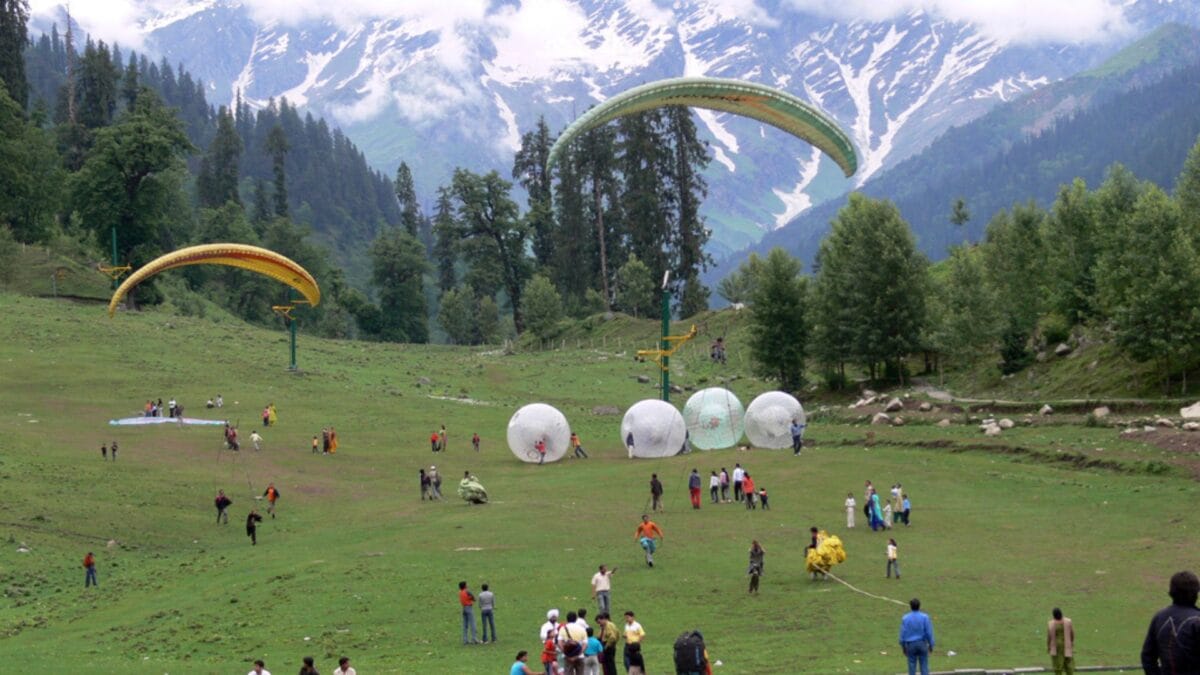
540, 446
271, 494
645, 535
89, 564
433, 441
467, 600
748, 489
475, 442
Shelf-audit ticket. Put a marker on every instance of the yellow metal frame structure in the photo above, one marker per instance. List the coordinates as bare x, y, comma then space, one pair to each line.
676, 341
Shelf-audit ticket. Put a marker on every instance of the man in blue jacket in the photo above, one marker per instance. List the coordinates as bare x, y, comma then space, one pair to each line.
916, 637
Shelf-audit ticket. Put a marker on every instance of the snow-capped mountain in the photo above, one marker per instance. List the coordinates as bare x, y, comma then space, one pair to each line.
442, 87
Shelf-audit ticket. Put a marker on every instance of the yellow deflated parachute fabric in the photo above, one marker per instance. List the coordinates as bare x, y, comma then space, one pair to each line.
827, 554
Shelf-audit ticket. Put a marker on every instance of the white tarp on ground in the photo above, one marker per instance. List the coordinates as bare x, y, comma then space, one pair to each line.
715, 418
538, 422
146, 421
769, 419
653, 428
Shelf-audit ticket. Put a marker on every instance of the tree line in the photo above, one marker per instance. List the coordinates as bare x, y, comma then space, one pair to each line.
1120, 259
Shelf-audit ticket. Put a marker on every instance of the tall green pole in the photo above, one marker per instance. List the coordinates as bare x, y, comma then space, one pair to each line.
114, 254
665, 344
292, 329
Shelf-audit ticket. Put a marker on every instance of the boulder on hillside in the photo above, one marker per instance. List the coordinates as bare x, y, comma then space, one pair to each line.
1164, 423
643, 379
1191, 412
676, 389
1191, 426
424, 381
1046, 410
897, 421
1101, 412
881, 418
992, 431
1006, 423
606, 410
894, 405
925, 407
944, 423
869, 393
1062, 349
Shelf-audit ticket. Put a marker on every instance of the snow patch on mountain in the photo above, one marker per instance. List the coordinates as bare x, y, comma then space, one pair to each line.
796, 200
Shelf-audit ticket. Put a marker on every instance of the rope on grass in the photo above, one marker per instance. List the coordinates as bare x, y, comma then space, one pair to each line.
859, 590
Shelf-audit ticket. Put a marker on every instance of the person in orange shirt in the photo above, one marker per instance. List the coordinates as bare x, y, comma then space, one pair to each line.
645, 535
433, 441
89, 564
271, 494
748, 489
333, 441
467, 599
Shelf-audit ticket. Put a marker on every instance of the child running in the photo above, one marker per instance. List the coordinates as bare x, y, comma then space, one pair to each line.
645, 535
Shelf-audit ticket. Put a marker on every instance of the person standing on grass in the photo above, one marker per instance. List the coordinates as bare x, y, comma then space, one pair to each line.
905, 509
540, 447
442, 438
518, 667
272, 495
1060, 643
694, 488
475, 441
271, 416
89, 565
259, 668
550, 656
916, 637
656, 493
424, 485
325, 441
112, 449
645, 535
714, 487
222, 503
851, 507
104, 452
551, 625
797, 430
433, 441
315, 445
762, 499
591, 654
266, 417
344, 667
256, 440
571, 641
724, 485
867, 492
308, 668
876, 513
609, 637
739, 474
634, 635
756, 564
435, 483
748, 490
602, 588
252, 522
333, 441
580, 453
893, 561
467, 599
1173, 641
887, 516
487, 609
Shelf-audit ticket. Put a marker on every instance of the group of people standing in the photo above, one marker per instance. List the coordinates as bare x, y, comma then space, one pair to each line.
154, 408
745, 490
104, 450
881, 514
328, 443
269, 416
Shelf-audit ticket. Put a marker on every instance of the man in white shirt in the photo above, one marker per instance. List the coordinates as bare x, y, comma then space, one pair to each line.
550, 626
572, 640
738, 474
344, 667
601, 587
581, 619
256, 440
259, 669
851, 507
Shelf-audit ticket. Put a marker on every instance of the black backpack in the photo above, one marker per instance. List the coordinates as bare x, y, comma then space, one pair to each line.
689, 652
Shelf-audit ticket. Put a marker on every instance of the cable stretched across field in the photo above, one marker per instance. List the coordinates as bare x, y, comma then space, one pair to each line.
847, 584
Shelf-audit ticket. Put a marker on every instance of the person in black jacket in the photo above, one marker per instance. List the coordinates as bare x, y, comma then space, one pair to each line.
222, 502
252, 522
1172, 645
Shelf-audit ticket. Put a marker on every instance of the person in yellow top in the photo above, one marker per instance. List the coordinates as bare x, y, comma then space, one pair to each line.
646, 532
580, 453
634, 634
271, 414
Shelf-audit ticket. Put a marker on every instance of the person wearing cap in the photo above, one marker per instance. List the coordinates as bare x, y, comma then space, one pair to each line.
1172, 644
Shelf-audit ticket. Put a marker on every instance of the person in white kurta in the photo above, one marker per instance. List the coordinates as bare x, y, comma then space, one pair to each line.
851, 507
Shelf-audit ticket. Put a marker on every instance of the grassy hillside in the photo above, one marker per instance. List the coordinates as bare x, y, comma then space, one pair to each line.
356, 564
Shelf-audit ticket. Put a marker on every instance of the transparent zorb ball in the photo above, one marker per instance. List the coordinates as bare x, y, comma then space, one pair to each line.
769, 419
653, 428
538, 422
714, 418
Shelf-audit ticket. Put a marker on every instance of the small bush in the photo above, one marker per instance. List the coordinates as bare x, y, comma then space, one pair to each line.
1054, 328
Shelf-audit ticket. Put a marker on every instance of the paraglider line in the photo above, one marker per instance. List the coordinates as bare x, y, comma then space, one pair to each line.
859, 590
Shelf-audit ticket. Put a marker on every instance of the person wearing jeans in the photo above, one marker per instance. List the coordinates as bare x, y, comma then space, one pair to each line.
893, 561
916, 638
487, 607
467, 600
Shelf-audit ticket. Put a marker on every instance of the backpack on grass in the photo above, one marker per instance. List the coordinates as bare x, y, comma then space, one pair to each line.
689, 652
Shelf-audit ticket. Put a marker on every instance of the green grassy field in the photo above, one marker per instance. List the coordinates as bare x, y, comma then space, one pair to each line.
356, 564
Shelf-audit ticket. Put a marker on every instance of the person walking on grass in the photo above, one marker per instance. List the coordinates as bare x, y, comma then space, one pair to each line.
756, 565
314, 445
344, 667
645, 535
610, 636
475, 441
916, 637
272, 496
739, 474
1060, 643
724, 485
467, 599
256, 440
797, 430
905, 509
694, 488
591, 654
656, 493
893, 560
714, 487
89, 566
519, 666
1173, 641
424, 485
222, 503
433, 441
487, 609
634, 635
104, 452
580, 453
435, 483
851, 507
602, 588
748, 490
252, 522
259, 668
112, 450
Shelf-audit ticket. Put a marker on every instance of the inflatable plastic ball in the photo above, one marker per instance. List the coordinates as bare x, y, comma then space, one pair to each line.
769, 419
538, 422
653, 428
715, 418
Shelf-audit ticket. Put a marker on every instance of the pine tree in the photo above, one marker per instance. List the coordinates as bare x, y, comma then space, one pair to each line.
636, 289
963, 317
687, 191
457, 316
445, 236
30, 173
960, 215
543, 306
263, 211
397, 269
1070, 246
1013, 264
218, 181
406, 194
778, 320
129, 82
645, 162
97, 86
277, 146
1187, 186
595, 155
529, 170
14, 36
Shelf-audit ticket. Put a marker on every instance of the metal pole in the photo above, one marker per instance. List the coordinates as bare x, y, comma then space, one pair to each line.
114, 254
292, 329
665, 344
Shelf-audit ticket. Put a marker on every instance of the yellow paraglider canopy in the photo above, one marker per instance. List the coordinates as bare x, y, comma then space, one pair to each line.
260, 260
